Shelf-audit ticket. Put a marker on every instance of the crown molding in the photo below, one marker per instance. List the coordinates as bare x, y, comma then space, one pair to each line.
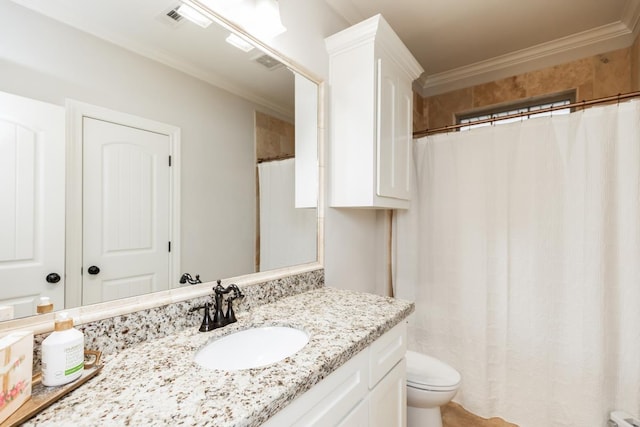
375, 29
631, 16
587, 43
346, 10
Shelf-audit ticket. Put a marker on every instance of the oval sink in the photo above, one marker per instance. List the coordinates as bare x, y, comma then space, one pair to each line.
251, 348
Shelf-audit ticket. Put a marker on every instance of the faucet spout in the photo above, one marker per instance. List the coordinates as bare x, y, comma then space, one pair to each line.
186, 277
221, 319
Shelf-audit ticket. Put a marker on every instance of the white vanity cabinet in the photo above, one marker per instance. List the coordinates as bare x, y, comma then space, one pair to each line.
368, 390
371, 73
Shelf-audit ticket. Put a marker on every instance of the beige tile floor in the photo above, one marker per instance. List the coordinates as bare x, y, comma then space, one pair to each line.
454, 415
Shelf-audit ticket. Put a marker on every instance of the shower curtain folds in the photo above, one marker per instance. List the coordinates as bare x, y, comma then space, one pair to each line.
522, 252
287, 234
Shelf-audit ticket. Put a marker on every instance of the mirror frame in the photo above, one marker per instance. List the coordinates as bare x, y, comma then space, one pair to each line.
96, 312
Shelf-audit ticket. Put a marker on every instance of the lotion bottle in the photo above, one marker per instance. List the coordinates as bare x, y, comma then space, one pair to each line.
62, 352
45, 306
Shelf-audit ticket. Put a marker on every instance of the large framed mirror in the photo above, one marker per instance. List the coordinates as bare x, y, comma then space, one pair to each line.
238, 135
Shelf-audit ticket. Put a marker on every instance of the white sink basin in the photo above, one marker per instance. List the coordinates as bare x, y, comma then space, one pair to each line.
251, 348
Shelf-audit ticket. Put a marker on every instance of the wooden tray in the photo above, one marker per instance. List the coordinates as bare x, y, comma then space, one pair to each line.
42, 396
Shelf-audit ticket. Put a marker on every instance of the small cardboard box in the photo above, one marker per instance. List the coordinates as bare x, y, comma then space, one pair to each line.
16, 360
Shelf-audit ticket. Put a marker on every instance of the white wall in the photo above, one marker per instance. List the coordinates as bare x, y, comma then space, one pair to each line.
42, 59
41, 67
353, 243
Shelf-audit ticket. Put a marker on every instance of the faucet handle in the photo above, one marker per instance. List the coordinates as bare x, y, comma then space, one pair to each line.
207, 323
237, 293
219, 289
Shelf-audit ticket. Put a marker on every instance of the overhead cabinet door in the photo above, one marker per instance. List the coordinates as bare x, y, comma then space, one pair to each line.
371, 73
393, 136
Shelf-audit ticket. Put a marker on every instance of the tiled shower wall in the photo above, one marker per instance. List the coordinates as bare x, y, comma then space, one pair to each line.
598, 76
275, 138
635, 65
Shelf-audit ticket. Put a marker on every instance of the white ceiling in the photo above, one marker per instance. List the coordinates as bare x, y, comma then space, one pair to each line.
457, 42
462, 42
143, 27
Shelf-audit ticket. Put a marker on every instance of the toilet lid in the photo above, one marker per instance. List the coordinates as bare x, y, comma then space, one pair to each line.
429, 373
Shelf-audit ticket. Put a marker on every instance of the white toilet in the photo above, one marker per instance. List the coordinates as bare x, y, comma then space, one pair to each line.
431, 383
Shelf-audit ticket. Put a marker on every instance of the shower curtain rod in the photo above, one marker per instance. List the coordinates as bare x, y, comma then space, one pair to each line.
619, 97
275, 159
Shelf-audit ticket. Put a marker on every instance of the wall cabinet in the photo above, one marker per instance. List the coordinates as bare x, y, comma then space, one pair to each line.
368, 390
371, 73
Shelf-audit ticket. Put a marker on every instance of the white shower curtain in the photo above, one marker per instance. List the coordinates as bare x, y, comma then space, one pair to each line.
522, 253
287, 234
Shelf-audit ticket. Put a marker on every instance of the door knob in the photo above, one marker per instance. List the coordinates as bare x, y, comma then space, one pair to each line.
93, 270
53, 278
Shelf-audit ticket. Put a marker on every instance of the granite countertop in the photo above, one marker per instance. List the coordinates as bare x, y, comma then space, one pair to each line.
157, 382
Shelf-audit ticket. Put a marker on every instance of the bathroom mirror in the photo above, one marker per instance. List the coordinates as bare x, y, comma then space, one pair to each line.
137, 61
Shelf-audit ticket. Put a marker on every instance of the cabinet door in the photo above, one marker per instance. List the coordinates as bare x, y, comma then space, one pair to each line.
358, 417
394, 124
386, 352
388, 400
329, 401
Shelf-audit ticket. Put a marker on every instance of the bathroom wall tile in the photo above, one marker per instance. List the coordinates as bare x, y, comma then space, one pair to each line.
559, 78
635, 65
592, 77
275, 138
612, 72
419, 119
425, 115
442, 108
499, 91
584, 92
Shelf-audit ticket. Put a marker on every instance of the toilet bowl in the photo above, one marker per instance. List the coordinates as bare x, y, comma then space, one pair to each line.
431, 383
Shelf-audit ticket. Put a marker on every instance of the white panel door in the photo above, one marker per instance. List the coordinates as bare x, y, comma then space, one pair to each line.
126, 205
32, 201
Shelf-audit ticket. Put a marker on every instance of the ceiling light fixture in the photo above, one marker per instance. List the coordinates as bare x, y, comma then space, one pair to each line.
239, 42
260, 18
193, 15
266, 19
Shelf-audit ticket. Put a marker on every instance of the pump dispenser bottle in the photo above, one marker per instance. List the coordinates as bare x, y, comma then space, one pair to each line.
62, 352
44, 306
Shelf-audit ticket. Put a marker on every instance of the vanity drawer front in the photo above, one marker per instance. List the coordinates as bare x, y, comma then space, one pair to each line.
385, 352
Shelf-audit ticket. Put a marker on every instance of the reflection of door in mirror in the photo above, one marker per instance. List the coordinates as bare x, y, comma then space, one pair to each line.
179, 74
32, 201
126, 211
